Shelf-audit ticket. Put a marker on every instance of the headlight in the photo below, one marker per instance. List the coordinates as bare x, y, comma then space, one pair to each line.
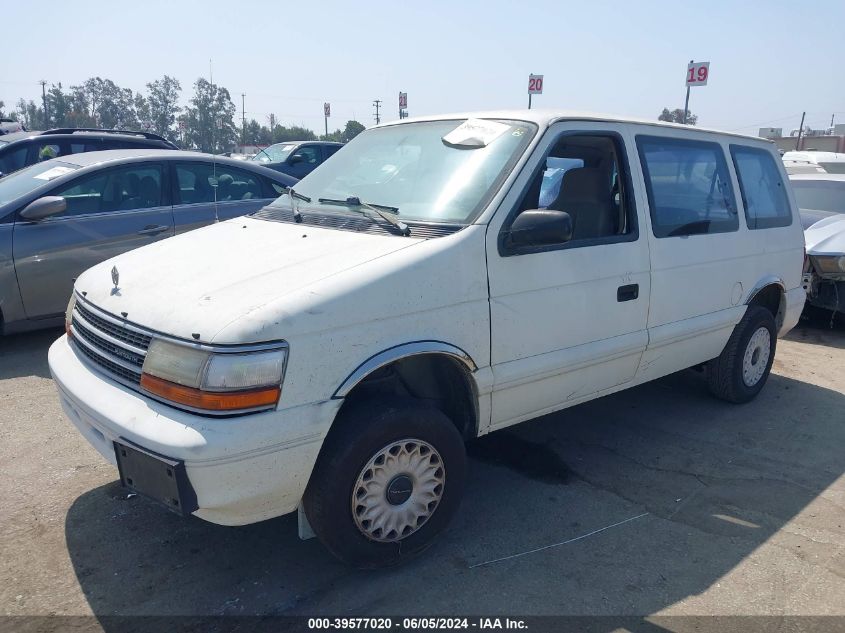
69, 312
212, 380
830, 263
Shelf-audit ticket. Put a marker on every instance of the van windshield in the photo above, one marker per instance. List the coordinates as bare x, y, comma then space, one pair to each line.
412, 168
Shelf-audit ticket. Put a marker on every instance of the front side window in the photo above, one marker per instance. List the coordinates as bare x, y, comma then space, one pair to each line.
46, 151
308, 154
412, 168
688, 185
585, 176
819, 195
763, 193
124, 189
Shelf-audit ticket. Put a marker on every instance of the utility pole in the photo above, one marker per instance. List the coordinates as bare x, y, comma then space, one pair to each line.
44, 102
377, 105
243, 118
800, 131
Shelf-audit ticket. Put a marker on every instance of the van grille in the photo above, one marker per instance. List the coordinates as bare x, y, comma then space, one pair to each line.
114, 345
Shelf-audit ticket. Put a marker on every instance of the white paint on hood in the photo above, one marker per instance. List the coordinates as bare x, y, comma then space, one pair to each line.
201, 281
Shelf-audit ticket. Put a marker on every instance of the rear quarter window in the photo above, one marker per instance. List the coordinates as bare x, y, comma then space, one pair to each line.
762, 188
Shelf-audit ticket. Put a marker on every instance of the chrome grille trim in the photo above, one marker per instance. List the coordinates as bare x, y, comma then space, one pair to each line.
105, 322
105, 346
111, 359
113, 346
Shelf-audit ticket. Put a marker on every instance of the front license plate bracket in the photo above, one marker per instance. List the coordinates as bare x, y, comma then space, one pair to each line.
155, 476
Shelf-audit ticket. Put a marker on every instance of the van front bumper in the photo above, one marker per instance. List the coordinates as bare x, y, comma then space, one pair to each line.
242, 469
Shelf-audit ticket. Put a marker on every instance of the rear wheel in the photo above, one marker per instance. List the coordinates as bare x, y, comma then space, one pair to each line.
388, 480
743, 367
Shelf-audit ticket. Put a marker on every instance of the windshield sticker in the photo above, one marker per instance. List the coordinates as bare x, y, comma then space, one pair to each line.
54, 172
475, 133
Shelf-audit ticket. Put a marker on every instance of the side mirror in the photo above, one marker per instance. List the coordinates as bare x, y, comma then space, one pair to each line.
296, 158
540, 227
44, 208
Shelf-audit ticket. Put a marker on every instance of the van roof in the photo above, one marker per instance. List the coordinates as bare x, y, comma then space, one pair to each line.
545, 117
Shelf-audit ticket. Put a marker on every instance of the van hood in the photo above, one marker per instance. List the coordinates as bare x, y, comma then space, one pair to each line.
826, 237
201, 281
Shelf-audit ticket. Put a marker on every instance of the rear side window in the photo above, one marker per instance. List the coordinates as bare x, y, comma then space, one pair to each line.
763, 193
688, 185
206, 182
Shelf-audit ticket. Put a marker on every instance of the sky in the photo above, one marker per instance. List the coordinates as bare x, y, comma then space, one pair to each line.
769, 60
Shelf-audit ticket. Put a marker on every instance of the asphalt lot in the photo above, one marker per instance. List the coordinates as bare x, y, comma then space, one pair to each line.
714, 508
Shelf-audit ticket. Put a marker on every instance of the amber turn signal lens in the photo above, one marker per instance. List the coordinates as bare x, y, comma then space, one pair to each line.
210, 400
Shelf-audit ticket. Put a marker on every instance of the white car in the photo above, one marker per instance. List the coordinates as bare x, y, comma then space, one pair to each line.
809, 162
332, 352
821, 200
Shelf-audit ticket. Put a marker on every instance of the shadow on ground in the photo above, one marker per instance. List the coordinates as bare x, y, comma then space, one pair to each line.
26, 354
709, 482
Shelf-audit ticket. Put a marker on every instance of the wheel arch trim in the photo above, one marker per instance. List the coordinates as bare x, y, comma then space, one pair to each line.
399, 352
765, 282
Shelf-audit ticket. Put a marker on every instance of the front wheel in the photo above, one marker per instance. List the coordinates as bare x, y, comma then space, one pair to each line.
743, 367
388, 480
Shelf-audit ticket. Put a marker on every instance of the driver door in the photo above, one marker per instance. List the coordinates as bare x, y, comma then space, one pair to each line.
568, 321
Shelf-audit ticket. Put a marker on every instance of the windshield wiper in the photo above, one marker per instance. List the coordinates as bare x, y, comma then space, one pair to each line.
385, 212
297, 216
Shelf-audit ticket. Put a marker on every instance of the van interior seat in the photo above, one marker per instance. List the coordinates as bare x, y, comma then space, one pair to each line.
585, 195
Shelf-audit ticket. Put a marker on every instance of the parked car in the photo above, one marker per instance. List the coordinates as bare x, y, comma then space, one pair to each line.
296, 158
818, 196
332, 352
812, 161
10, 126
59, 217
19, 149
821, 199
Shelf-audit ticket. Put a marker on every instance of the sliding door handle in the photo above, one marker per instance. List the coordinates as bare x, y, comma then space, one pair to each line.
627, 293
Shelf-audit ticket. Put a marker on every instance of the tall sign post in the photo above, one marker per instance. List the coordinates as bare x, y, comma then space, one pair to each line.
697, 75
327, 112
535, 87
403, 105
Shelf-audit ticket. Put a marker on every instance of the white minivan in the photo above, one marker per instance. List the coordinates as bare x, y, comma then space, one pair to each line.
438, 279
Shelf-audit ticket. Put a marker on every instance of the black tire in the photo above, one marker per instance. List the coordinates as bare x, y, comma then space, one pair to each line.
725, 373
359, 434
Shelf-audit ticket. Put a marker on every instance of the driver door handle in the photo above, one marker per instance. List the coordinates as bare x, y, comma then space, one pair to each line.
153, 229
627, 293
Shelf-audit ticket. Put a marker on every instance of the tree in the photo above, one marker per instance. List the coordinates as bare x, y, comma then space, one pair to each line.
57, 106
211, 118
292, 133
31, 115
677, 116
163, 100
352, 129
